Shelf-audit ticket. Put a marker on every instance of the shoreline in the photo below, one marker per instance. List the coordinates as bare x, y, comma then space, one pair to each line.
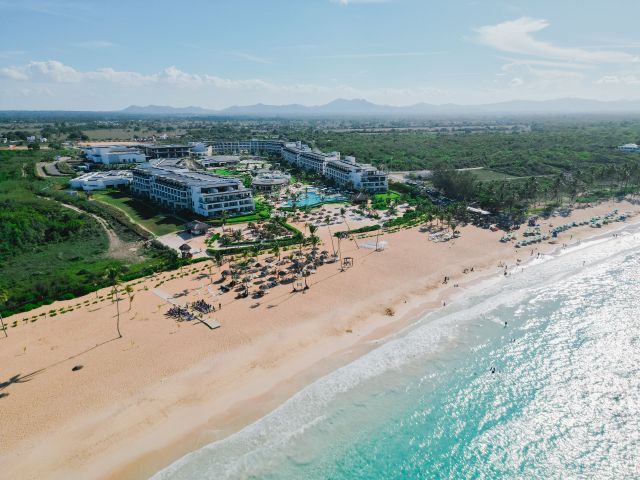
411, 318
139, 445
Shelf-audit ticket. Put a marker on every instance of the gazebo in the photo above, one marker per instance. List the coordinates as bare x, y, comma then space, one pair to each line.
197, 228
185, 250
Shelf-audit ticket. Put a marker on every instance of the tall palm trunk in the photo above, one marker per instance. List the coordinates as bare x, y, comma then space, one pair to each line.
4, 329
118, 314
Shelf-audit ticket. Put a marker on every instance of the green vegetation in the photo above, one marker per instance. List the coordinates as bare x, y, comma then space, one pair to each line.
346, 233
382, 201
487, 175
262, 212
48, 251
149, 216
553, 145
225, 172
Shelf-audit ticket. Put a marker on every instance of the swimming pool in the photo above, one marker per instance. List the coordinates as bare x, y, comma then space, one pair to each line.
311, 198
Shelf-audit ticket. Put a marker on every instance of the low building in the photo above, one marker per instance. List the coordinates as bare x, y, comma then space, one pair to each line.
102, 180
199, 149
114, 155
197, 228
218, 161
182, 189
270, 181
629, 147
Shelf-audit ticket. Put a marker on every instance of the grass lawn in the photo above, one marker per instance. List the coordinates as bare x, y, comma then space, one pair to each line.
225, 172
379, 200
149, 216
382, 197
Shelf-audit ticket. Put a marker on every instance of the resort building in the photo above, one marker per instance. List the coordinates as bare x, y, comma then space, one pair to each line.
270, 181
114, 155
250, 147
102, 180
344, 172
629, 147
199, 149
218, 161
182, 189
167, 151
360, 176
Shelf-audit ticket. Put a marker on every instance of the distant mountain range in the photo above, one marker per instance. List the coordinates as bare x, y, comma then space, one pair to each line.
360, 107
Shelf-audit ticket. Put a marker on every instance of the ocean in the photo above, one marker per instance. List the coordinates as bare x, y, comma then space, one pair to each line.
534, 375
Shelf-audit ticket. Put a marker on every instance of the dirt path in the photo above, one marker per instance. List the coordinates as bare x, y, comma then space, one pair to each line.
153, 235
117, 248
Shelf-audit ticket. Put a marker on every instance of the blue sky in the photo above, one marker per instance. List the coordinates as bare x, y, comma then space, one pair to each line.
102, 55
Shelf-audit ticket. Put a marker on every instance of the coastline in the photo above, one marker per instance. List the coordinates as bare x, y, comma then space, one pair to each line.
164, 416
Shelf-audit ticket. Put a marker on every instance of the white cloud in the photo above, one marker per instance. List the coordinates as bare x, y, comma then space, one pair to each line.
531, 68
97, 89
625, 79
516, 36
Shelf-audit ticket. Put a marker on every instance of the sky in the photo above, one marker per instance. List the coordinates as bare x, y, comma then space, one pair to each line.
108, 54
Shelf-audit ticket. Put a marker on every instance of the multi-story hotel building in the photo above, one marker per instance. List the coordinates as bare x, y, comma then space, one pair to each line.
182, 189
345, 172
166, 151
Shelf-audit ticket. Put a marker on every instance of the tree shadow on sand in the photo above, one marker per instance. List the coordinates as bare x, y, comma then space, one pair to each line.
16, 379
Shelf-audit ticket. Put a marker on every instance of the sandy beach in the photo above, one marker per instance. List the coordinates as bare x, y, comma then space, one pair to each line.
166, 388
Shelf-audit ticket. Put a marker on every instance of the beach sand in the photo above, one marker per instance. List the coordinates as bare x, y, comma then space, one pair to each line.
166, 388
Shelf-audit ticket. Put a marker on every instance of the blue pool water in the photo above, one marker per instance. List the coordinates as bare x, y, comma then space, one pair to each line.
554, 394
312, 198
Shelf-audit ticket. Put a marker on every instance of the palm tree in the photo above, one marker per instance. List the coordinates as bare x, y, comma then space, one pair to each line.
299, 238
4, 296
276, 250
129, 290
328, 222
313, 238
343, 211
209, 269
224, 217
113, 275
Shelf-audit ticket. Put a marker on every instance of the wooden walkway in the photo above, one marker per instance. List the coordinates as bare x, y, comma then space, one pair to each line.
212, 324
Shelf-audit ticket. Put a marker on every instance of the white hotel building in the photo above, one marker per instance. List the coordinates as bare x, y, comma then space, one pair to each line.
182, 189
114, 155
344, 171
102, 180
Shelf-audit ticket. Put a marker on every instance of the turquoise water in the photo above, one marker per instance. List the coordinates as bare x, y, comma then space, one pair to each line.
311, 198
555, 393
